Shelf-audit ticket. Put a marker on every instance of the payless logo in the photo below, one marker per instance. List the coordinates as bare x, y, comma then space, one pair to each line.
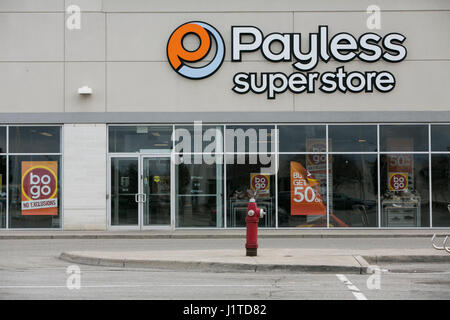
178, 55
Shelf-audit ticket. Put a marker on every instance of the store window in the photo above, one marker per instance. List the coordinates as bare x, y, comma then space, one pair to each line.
33, 163
143, 139
302, 187
198, 138
404, 188
247, 174
34, 191
353, 196
3, 191
441, 189
352, 138
199, 193
2, 139
34, 139
250, 139
440, 138
398, 138
308, 138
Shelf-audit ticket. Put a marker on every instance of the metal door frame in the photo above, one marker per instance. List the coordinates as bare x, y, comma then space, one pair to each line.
140, 158
169, 226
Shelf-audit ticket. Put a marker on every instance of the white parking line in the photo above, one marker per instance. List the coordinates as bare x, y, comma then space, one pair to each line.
356, 292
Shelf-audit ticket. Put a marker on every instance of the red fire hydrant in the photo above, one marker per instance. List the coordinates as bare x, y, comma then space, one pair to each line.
253, 215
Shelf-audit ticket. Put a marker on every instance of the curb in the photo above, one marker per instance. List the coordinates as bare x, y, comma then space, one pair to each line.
407, 259
207, 236
208, 266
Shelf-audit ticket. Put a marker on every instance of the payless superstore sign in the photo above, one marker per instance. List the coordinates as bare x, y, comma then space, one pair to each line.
322, 47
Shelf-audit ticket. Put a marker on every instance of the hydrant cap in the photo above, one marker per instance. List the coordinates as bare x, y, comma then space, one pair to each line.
251, 213
252, 200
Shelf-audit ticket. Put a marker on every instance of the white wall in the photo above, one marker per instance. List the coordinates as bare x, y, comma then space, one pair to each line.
120, 52
84, 177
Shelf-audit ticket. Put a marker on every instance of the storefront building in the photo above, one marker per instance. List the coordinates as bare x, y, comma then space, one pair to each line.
134, 115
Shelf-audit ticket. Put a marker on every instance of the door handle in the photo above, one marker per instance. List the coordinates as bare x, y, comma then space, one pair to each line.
144, 198
136, 197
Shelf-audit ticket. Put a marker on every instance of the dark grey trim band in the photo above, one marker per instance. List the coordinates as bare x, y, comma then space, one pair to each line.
226, 117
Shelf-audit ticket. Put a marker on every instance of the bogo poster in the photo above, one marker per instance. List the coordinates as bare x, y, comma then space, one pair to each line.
305, 192
400, 166
398, 181
400, 172
39, 188
260, 183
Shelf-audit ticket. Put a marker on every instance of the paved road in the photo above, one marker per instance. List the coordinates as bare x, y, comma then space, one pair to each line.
29, 269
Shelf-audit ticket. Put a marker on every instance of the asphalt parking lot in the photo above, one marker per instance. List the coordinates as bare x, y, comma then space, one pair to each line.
30, 269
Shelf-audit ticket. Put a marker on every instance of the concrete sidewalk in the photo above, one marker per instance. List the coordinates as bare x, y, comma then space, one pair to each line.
232, 260
223, 234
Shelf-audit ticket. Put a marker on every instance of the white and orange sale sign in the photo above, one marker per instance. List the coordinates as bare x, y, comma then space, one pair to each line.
39, 188
305, 192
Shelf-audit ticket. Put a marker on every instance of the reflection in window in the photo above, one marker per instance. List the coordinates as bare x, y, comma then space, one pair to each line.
404, 190
124, 187
198, 138
244, 176
302, 191
2, 139
353, 138
404, 138
250, 139
34, 139
39, 205
301, 138
199, 194
440, 138
441, 190
145, 139
3, 191
353, 197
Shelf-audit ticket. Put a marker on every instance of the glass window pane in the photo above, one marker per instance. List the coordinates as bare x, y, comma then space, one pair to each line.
245, 173
201, 138
34, 139
157, 190
354, 194
146, 139
38, 205
357, 138
250, 139
440, 138
2, 139
441, 189
404, 190
124, 188
301, 138
3, 191
404, 138
302, 191
199, 193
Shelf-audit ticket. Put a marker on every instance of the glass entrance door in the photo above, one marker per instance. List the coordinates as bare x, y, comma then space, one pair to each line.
124, 192
140, 192
156, 191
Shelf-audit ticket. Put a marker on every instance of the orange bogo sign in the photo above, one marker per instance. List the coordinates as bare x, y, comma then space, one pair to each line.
398, 181
39, 188
259, 182
305, 192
